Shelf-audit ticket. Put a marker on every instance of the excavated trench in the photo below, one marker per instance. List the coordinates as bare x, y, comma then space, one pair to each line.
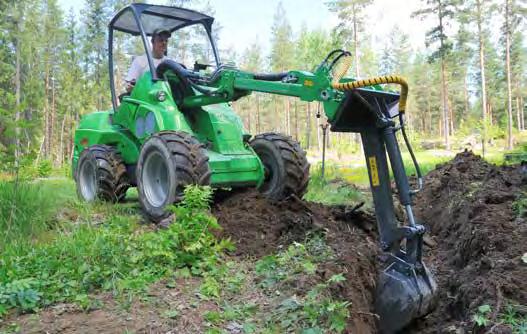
476, 241
476, 216
260, 227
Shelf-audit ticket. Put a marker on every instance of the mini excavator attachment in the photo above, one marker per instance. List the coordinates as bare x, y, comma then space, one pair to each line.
405, 287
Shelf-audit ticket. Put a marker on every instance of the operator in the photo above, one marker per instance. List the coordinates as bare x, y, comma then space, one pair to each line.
139, 66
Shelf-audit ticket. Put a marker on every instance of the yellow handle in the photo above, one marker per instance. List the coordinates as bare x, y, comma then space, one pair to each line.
386, 79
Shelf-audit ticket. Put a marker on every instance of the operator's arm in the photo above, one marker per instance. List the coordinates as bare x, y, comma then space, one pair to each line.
134, 72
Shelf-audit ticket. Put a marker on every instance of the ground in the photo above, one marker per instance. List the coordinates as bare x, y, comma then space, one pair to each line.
296, 262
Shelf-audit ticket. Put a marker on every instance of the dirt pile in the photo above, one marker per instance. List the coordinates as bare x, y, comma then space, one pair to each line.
467, 205
260, 227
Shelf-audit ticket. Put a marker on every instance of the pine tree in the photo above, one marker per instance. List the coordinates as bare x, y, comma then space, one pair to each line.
95, 49
442, 10
515, 12
351, 23
478, 12
282, 55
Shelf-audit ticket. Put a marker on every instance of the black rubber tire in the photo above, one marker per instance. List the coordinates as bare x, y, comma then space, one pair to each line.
111, 180
285, 163
186, 163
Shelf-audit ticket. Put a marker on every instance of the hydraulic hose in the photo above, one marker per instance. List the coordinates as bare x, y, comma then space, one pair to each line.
386, 79
345, 64
420, 183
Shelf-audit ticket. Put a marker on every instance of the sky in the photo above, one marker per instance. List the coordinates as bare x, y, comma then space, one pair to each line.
244, 21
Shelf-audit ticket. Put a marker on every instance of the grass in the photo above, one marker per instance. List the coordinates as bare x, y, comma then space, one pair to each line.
29, 208
333, 189
283, 305
346, 184
116, 255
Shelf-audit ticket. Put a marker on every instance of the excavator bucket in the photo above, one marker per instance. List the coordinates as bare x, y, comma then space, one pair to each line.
405, 289
403, 294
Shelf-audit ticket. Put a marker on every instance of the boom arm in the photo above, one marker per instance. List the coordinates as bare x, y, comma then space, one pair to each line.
405, 289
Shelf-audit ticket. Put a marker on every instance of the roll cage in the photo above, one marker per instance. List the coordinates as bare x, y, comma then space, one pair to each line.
142, 19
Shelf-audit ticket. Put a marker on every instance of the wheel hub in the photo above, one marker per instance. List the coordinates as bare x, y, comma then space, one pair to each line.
155, 179
88, 180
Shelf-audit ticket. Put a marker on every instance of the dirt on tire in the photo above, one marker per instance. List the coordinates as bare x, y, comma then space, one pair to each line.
261, 227
479, 237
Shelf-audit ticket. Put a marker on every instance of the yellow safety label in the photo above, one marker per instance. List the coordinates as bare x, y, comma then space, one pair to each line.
373, 171
309, 83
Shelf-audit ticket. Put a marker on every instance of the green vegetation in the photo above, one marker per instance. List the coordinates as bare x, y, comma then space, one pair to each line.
116, 255
511, 318
290, 308
519, 206
57, 250
316, 311
334, 188
339, 186
29, 208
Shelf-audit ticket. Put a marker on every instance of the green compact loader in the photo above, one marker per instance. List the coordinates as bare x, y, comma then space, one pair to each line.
176, 127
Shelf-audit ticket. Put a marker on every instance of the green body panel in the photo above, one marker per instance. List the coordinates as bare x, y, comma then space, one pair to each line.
231, 159
97, 128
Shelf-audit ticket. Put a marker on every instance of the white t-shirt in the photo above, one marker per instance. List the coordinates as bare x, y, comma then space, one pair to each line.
140, 66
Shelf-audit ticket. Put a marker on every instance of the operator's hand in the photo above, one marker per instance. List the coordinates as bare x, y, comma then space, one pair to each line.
130, 85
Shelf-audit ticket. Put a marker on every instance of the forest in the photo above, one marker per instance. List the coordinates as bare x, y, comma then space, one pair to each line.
199, 205
467, 83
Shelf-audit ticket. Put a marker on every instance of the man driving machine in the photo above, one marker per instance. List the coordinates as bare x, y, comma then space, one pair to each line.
139, 66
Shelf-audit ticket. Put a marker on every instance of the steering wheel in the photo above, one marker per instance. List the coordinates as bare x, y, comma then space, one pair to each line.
181, 89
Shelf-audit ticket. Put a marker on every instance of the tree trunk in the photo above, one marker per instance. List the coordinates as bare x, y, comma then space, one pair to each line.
465, 94
355, 42
510, 140
518, 118
69, 139
46, 116
444, 89
52, 119
446, 123
61, 151
522, 112
482, 74
296, 120
452, 132
17, 95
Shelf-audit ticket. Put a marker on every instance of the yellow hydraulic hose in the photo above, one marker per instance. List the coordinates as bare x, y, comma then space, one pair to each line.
386, 79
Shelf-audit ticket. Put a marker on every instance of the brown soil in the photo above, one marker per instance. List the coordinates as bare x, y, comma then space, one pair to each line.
467, 205
260, 227
165, 310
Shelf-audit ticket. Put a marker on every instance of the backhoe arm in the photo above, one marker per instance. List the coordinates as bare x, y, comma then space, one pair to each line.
405, 288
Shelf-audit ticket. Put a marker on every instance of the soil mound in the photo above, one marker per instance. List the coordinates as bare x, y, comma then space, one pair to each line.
260, 227
468, 206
